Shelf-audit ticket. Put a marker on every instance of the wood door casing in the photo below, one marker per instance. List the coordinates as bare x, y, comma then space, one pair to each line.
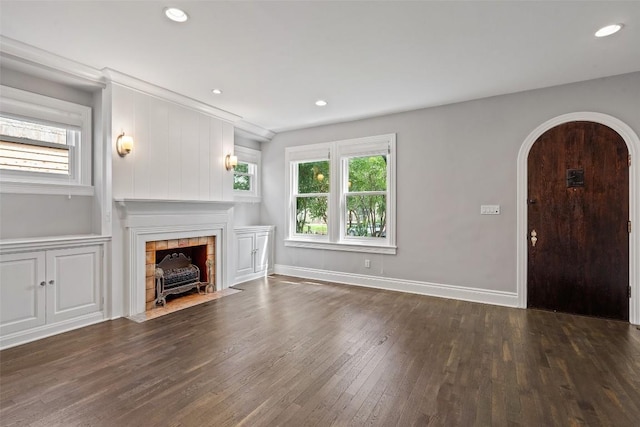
580, 263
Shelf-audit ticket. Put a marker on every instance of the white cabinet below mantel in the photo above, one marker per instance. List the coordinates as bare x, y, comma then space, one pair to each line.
254, 252
48, 291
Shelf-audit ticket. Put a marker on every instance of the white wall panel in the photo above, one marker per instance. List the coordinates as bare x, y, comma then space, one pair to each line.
175, 153
159, 159
189, 158
142, 147
204, 157
122, 119
217, 159
227, 147
178, 152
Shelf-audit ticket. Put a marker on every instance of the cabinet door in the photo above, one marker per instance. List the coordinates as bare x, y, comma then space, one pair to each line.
262, 252
245, 244
76, 288
22, 298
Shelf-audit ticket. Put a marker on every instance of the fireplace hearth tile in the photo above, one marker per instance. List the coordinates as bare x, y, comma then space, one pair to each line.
181, 303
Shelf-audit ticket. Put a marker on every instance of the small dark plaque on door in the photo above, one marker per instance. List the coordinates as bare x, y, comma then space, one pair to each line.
575, 178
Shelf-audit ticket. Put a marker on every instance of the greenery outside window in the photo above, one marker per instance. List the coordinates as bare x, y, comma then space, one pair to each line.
312, 198
342, 195
244, 176
365, 196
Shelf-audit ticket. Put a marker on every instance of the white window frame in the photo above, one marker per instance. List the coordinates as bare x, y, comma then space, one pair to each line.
253, 157
338, 153
29, 106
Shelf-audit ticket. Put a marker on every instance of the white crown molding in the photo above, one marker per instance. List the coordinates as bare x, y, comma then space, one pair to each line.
21, 56
463, 293
253, 132
167, 95
39, 62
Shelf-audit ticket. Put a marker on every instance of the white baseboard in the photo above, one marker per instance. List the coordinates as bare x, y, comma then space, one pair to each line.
248, 277
507, 299
23, 337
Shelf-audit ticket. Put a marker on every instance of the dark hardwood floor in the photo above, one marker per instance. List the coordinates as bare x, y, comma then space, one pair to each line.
293, 353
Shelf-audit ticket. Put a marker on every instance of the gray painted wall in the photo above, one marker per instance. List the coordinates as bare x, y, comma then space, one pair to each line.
247, 213
28, 215
450, 160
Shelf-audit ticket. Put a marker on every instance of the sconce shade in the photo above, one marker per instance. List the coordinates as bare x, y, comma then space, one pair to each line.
230, 162
124, 144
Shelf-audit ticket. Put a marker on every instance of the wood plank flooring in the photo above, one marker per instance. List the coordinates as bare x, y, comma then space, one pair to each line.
295, 353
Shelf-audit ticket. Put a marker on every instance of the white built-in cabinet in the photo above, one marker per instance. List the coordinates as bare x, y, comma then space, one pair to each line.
254, 252
44, 291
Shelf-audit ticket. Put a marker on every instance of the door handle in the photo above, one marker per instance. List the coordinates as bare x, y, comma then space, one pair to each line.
534, 238
43, 283
51, 282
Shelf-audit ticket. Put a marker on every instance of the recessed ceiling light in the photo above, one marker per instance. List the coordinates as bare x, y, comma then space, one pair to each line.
175, 14
608, 30
216, 91
321, 102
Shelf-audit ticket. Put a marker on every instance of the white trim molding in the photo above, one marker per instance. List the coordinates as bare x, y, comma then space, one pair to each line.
24, 57
337, 155
463, 293
633, 144
168, 95
254, 132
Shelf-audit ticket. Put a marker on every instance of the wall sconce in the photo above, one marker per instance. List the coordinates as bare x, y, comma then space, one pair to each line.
230, 162
124, 144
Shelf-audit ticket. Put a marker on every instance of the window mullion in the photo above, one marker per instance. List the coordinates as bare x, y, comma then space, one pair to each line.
336, 205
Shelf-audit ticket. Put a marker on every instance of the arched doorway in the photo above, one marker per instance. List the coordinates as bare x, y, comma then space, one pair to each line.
578, 213
633, 202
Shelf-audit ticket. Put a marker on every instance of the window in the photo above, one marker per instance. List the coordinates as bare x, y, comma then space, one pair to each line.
45, 144
312, 197
342, 195
246, 178
366, 196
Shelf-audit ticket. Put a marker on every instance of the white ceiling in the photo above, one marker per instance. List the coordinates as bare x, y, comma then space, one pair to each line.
273, 60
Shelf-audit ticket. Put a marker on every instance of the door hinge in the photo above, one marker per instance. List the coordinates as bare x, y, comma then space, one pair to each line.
629, 227
629, 160
629, 292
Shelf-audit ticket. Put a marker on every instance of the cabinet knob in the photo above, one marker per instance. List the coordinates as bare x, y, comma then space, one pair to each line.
43, 283
51, 282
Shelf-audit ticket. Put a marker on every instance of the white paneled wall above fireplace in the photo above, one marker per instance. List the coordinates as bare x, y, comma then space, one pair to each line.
178, 152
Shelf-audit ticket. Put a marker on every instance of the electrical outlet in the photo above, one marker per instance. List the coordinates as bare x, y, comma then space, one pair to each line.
367, 263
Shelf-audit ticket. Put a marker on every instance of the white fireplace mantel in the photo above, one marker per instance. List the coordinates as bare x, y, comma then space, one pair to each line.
147, 220
135, 211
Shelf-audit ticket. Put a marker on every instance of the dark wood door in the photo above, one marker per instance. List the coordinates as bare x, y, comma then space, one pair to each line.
578, 205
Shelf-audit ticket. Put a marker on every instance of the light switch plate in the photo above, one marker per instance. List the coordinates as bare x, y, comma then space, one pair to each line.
490, 210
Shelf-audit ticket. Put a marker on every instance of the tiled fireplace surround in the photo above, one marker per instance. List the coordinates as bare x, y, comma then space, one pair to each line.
178, 223
154, 248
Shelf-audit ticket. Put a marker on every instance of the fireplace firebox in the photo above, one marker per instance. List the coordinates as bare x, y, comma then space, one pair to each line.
177, 266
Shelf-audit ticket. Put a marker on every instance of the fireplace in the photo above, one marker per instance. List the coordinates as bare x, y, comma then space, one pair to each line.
175, 224
199, 251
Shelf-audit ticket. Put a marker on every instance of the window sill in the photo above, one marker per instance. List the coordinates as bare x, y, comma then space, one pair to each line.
16, 187
347, 247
